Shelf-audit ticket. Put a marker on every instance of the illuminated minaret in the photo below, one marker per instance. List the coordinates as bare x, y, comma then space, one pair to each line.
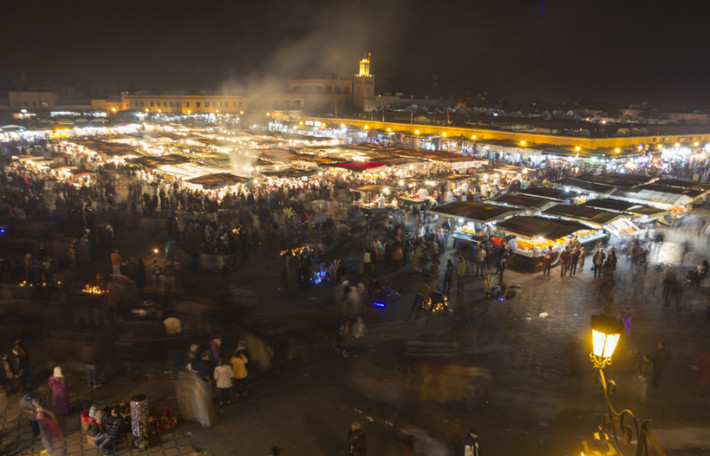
364, 86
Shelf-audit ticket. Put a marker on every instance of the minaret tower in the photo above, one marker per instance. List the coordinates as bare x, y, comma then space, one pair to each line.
364, 86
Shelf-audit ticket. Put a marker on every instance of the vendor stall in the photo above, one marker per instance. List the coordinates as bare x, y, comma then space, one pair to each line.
373, 199
475, 219
525, 202
640, 216
590, 216
533, 234
217, 180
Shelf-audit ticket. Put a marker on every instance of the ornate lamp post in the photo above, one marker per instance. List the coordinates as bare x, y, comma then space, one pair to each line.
627, 434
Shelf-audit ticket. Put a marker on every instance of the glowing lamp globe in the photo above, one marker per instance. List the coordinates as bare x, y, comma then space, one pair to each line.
606, 332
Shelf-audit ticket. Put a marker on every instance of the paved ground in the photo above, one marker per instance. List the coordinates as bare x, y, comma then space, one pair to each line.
542, 399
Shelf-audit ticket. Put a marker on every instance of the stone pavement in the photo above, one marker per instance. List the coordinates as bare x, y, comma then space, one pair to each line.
16, 435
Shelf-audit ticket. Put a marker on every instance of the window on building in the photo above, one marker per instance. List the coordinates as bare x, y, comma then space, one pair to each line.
319, 89
187, 103
198, 104
207, 104
34, 103
172, 105
337, 89
234, 104
151, 103
240, 104
328, 89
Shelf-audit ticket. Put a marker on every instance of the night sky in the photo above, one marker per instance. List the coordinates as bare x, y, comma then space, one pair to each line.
607, 51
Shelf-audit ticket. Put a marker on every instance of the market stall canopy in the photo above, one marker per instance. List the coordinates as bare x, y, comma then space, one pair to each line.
549, 193
663, 199
523, 201
511, 169
474, 211
217, 180
372, 188
585, 214
617, 180
529, 227
638, 210
287, 172
455, 177
158, 160
573, 183
682, 184
689, 192
357, 166
457, 161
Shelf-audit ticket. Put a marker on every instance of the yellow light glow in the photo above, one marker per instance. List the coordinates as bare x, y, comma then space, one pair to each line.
146, 109
522, 143
389, 129
267, 114
676, 145
604, 344
342, 125
218, 112
696, 144
443, 134
188, 112
113, 109
473, 137
416, 132
367, 127
617, 150
660, 147
159, 110
577, 148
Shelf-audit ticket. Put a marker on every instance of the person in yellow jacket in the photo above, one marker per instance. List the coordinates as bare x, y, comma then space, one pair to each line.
460, 274
239, 367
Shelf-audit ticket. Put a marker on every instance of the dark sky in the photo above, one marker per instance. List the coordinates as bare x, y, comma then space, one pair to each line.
601, 50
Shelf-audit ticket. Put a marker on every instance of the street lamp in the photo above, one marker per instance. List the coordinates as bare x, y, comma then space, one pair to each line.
629, 435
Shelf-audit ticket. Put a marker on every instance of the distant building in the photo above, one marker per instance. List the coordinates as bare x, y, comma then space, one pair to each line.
364, 87
34, 100
183, 104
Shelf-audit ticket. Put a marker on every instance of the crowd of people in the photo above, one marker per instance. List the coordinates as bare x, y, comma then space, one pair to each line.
319, 244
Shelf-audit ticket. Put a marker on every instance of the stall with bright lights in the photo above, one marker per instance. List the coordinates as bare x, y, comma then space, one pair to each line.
373, 199
475, 221
533, 234
640, 216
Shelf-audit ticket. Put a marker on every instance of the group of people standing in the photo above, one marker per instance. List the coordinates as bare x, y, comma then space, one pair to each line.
214, 369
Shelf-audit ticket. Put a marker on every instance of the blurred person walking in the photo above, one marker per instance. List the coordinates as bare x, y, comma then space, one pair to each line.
659, 363
60, 394
27, 407
50, 434
21, 365
471, 447
448, 276
598, 262
460, 274
357, 440
646, 376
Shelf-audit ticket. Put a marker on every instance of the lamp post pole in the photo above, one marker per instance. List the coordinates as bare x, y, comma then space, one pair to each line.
629, 435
